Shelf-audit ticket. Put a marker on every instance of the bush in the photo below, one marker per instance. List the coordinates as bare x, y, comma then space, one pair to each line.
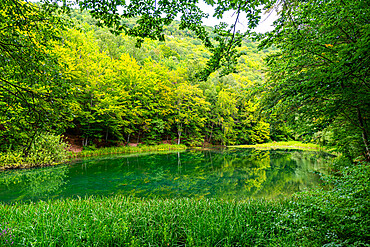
47, 149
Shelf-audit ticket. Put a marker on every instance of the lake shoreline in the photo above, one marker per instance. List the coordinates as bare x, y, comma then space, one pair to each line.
74, 156
284, 145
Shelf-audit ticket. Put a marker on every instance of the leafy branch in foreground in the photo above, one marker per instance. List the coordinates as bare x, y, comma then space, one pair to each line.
319, 79
31, 86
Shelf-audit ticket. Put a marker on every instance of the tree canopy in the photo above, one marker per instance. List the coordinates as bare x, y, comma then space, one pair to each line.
31, 85
110, 91
319, 78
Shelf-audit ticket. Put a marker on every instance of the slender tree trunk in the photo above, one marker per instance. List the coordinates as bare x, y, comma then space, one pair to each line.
85, 141
366, 142
128, 138
364, 135
179, 132
178, 140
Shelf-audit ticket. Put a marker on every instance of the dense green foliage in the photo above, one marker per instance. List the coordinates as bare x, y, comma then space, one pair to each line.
46, 149
108, 89
110, 92
154, 94
319, 79
31, 85
339, 216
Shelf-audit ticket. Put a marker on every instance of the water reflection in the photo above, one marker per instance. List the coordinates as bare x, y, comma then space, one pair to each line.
227, 174
33, 183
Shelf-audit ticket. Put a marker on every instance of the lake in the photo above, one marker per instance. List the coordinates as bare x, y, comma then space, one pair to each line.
230, 174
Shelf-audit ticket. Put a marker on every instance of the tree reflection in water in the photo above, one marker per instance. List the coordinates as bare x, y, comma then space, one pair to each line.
225, 174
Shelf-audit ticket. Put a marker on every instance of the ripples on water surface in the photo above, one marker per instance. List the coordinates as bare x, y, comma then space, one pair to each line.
227, 174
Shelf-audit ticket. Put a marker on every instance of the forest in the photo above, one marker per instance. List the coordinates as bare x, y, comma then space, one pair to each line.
66, 73
101, 90
89, 75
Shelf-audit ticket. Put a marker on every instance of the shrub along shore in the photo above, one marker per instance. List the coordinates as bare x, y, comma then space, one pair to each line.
335, 217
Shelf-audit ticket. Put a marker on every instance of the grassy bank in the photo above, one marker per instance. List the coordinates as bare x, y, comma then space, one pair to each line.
57, 154
283, 145
128, 149
339, 217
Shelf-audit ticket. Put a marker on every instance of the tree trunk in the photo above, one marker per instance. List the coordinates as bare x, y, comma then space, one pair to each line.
128, 138
178, 140
85, 141
367, 150
364, 135
179, 132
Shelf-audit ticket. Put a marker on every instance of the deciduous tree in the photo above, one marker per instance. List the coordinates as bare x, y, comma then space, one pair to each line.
320, 76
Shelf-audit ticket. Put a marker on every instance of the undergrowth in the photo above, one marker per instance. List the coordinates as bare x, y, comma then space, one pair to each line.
46, 149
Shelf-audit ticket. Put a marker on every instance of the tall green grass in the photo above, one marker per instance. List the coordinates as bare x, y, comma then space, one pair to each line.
125, 221
127, 149
122, 221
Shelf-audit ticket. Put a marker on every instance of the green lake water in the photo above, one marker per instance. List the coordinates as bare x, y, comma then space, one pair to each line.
226, 174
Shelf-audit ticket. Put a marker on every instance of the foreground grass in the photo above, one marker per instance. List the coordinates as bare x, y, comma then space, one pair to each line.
283, 145
120, 221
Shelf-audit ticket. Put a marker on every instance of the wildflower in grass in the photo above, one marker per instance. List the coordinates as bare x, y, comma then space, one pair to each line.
5, 235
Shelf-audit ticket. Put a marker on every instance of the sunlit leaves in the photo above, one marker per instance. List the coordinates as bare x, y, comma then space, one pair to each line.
190, 110
31, 84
